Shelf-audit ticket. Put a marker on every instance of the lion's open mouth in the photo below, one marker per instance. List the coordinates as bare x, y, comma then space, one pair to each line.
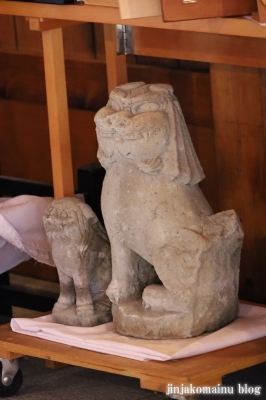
120, 137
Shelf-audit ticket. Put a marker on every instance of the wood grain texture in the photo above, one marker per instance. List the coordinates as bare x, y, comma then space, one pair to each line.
261, 15
239, 116
45, 24
139, 8
24, 137
28, 41
204, 47
206, 369
60, 144
100, 14
105, 3
7, 33
176, 10
78, 38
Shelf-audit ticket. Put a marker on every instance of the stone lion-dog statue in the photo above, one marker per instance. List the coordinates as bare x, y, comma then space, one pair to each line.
154, 209
81, 253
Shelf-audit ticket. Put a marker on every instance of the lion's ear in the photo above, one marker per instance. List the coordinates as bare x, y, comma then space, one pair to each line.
87, 212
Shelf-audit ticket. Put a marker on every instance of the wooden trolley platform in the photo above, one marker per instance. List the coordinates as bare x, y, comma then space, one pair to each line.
202, 370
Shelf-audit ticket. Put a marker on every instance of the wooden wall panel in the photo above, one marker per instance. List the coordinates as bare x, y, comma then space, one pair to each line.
99, 41
204, 47
22, 79
29, 42
79, 41
239, 115
24, 144
8, 40
24, 137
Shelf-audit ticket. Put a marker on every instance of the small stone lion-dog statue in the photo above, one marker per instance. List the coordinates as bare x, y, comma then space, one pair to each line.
81, 252
154, 209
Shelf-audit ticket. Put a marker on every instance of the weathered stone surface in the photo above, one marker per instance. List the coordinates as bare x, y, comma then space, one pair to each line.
81, 252
154, 210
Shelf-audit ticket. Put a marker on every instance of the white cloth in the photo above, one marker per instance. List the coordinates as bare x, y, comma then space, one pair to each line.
250, 325
22, 233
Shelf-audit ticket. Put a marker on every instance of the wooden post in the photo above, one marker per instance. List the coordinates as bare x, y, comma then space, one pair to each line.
116, 65
58, 112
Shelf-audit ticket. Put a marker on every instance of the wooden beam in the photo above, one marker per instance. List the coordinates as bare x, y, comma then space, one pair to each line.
204, 47
110, 15
58, 113
42, 24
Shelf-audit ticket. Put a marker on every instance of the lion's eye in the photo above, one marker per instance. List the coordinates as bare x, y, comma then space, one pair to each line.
140, 108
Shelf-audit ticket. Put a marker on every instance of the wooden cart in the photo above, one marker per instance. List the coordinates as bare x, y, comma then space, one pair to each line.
151, 37
199, 371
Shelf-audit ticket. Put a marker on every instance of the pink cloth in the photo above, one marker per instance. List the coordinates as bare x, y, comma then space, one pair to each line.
22, 234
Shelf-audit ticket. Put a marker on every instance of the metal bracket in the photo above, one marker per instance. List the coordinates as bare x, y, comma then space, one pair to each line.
189, 1
9, 370
124, 39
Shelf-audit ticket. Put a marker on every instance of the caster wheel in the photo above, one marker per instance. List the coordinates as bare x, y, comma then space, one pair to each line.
6, 391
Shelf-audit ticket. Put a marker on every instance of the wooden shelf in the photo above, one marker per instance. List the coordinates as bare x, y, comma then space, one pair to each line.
101, 14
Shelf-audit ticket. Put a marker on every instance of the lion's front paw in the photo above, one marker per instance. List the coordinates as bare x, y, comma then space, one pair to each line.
58, 307
118, 292
85, 310
85, 314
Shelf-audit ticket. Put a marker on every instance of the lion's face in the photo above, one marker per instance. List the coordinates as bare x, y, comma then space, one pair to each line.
131, 135
143, 125
62, 224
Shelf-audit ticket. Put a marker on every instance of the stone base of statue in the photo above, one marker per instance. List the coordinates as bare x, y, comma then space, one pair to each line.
72, 317
132, 319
